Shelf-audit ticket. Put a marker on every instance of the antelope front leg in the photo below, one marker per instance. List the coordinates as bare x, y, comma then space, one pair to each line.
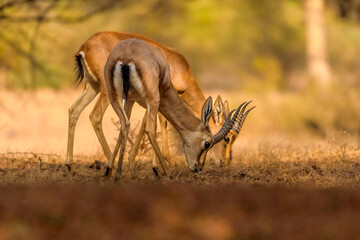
151, 132
166, 151
135, 147
155, 165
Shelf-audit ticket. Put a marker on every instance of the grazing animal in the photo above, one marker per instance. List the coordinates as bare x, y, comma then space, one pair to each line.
137, 71
90, 62
221, 110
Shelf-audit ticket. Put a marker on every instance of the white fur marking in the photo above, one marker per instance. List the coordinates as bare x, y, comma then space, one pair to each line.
87, 66
135, 80
118, 82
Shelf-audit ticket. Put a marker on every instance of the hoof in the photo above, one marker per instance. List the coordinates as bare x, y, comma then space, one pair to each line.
156, 172
68, 166
108, 172
117, 176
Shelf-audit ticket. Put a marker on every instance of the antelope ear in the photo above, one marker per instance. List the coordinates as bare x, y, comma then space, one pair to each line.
218, 113
226, 108
206, 111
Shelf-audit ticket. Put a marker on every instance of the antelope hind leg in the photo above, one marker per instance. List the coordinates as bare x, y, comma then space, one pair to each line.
96, 118
75, 110
124, 116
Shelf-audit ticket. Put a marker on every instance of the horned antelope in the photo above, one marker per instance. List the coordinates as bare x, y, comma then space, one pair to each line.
221, 110
90, 62
137, 71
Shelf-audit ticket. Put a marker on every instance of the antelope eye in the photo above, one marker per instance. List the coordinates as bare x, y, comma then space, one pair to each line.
206, 145
227, 140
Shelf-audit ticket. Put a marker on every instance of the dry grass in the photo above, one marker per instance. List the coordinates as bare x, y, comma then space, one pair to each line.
321, 166
277, 191
287, 180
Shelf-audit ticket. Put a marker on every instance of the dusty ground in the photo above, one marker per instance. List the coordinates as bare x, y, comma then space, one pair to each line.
177, 212
269, 193
322, 167
276, 188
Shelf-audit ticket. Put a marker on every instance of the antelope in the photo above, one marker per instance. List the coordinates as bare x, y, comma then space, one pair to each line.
137, 71
90, 62
221, 110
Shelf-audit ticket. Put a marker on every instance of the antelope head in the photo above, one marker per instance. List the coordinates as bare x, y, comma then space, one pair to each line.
199, 142
220, 112
222, 151
234, 132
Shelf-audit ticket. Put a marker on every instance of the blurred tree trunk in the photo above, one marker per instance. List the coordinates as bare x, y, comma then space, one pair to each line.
318, 66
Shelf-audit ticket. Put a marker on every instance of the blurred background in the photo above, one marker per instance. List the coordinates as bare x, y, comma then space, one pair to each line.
297, 60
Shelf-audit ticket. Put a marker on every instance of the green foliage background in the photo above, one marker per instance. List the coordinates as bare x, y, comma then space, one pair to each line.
255, 45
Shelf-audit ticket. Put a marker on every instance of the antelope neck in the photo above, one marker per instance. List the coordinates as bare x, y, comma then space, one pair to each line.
177, 113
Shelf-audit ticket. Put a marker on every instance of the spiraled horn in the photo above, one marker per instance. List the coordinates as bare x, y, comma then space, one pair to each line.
236, 127
226, 127
241, 119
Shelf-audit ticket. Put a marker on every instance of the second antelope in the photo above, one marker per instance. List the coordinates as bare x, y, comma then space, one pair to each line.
90, 62
138, 71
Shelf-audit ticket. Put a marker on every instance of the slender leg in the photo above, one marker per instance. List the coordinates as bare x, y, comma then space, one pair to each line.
124, 116
139, 137
154, 157
166, 151
113, 156
75, 110
152, 109
124, 133
96, 118
135, 147
154, 162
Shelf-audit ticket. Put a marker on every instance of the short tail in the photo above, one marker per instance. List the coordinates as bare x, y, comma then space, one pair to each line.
125, 70
79, 69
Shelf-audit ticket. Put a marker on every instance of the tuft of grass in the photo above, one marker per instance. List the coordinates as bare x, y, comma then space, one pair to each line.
321, 166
